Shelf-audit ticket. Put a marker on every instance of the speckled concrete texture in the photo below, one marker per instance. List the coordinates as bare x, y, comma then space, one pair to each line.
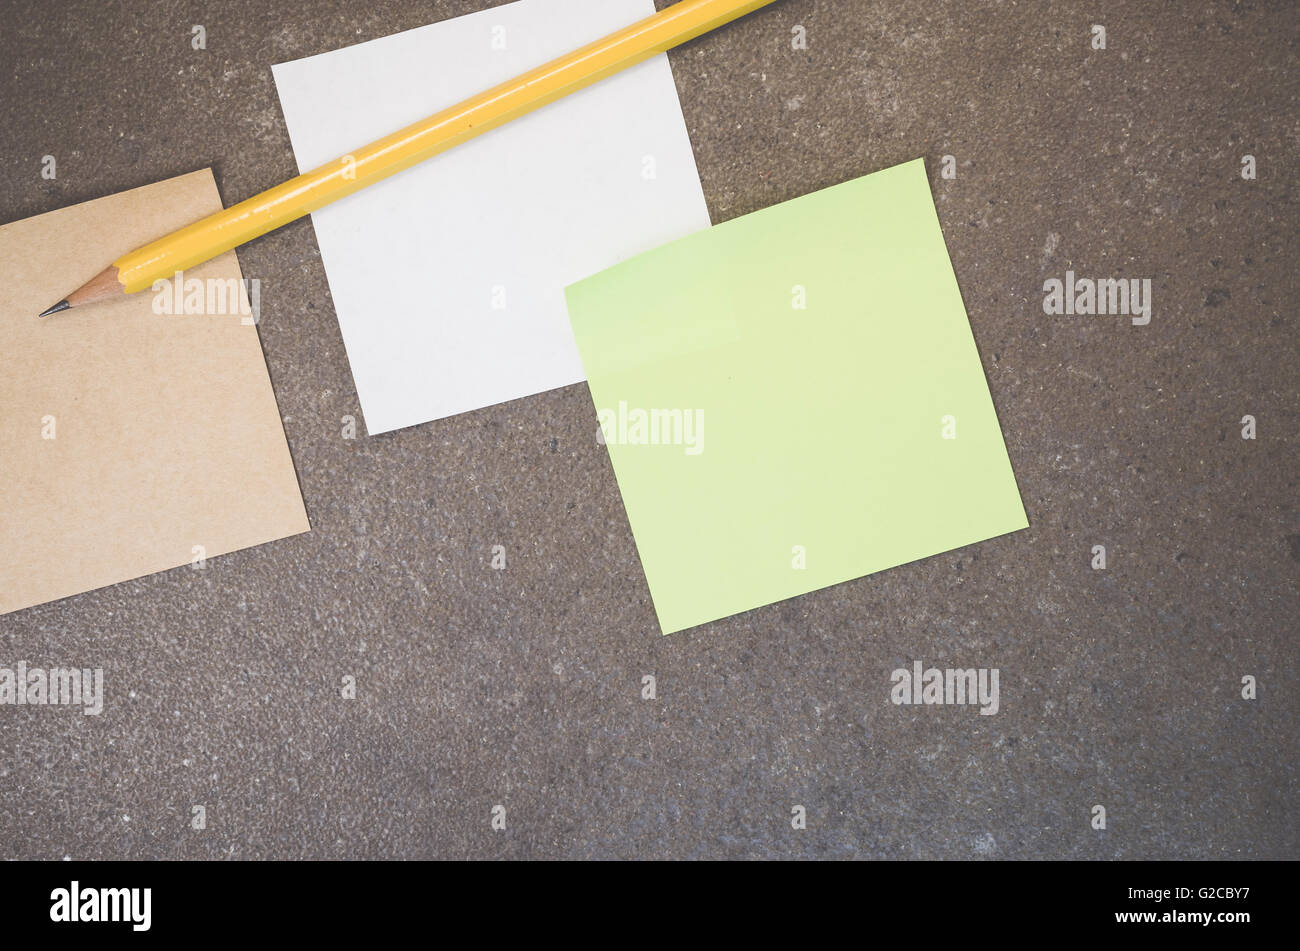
476, 687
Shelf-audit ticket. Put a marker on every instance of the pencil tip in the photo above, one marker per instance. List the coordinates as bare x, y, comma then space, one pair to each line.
61, 305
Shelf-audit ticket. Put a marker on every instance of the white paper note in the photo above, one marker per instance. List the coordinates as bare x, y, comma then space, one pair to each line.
448, 279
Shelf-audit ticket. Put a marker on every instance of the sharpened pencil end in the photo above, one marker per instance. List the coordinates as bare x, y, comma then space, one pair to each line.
61, 305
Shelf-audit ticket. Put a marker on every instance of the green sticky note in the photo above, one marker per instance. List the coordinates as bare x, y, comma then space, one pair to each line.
793, 399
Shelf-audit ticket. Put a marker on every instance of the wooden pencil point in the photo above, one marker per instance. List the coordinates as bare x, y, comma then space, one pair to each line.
100, 287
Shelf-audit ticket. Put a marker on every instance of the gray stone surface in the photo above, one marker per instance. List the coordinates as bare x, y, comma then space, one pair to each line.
477, 687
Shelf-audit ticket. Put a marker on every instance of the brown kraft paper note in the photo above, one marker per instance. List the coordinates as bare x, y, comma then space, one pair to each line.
130, 442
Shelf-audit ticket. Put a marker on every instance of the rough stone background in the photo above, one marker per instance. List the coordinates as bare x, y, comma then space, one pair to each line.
477, 687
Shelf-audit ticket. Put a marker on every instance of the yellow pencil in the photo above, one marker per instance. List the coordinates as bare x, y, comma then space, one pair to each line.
302, 195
